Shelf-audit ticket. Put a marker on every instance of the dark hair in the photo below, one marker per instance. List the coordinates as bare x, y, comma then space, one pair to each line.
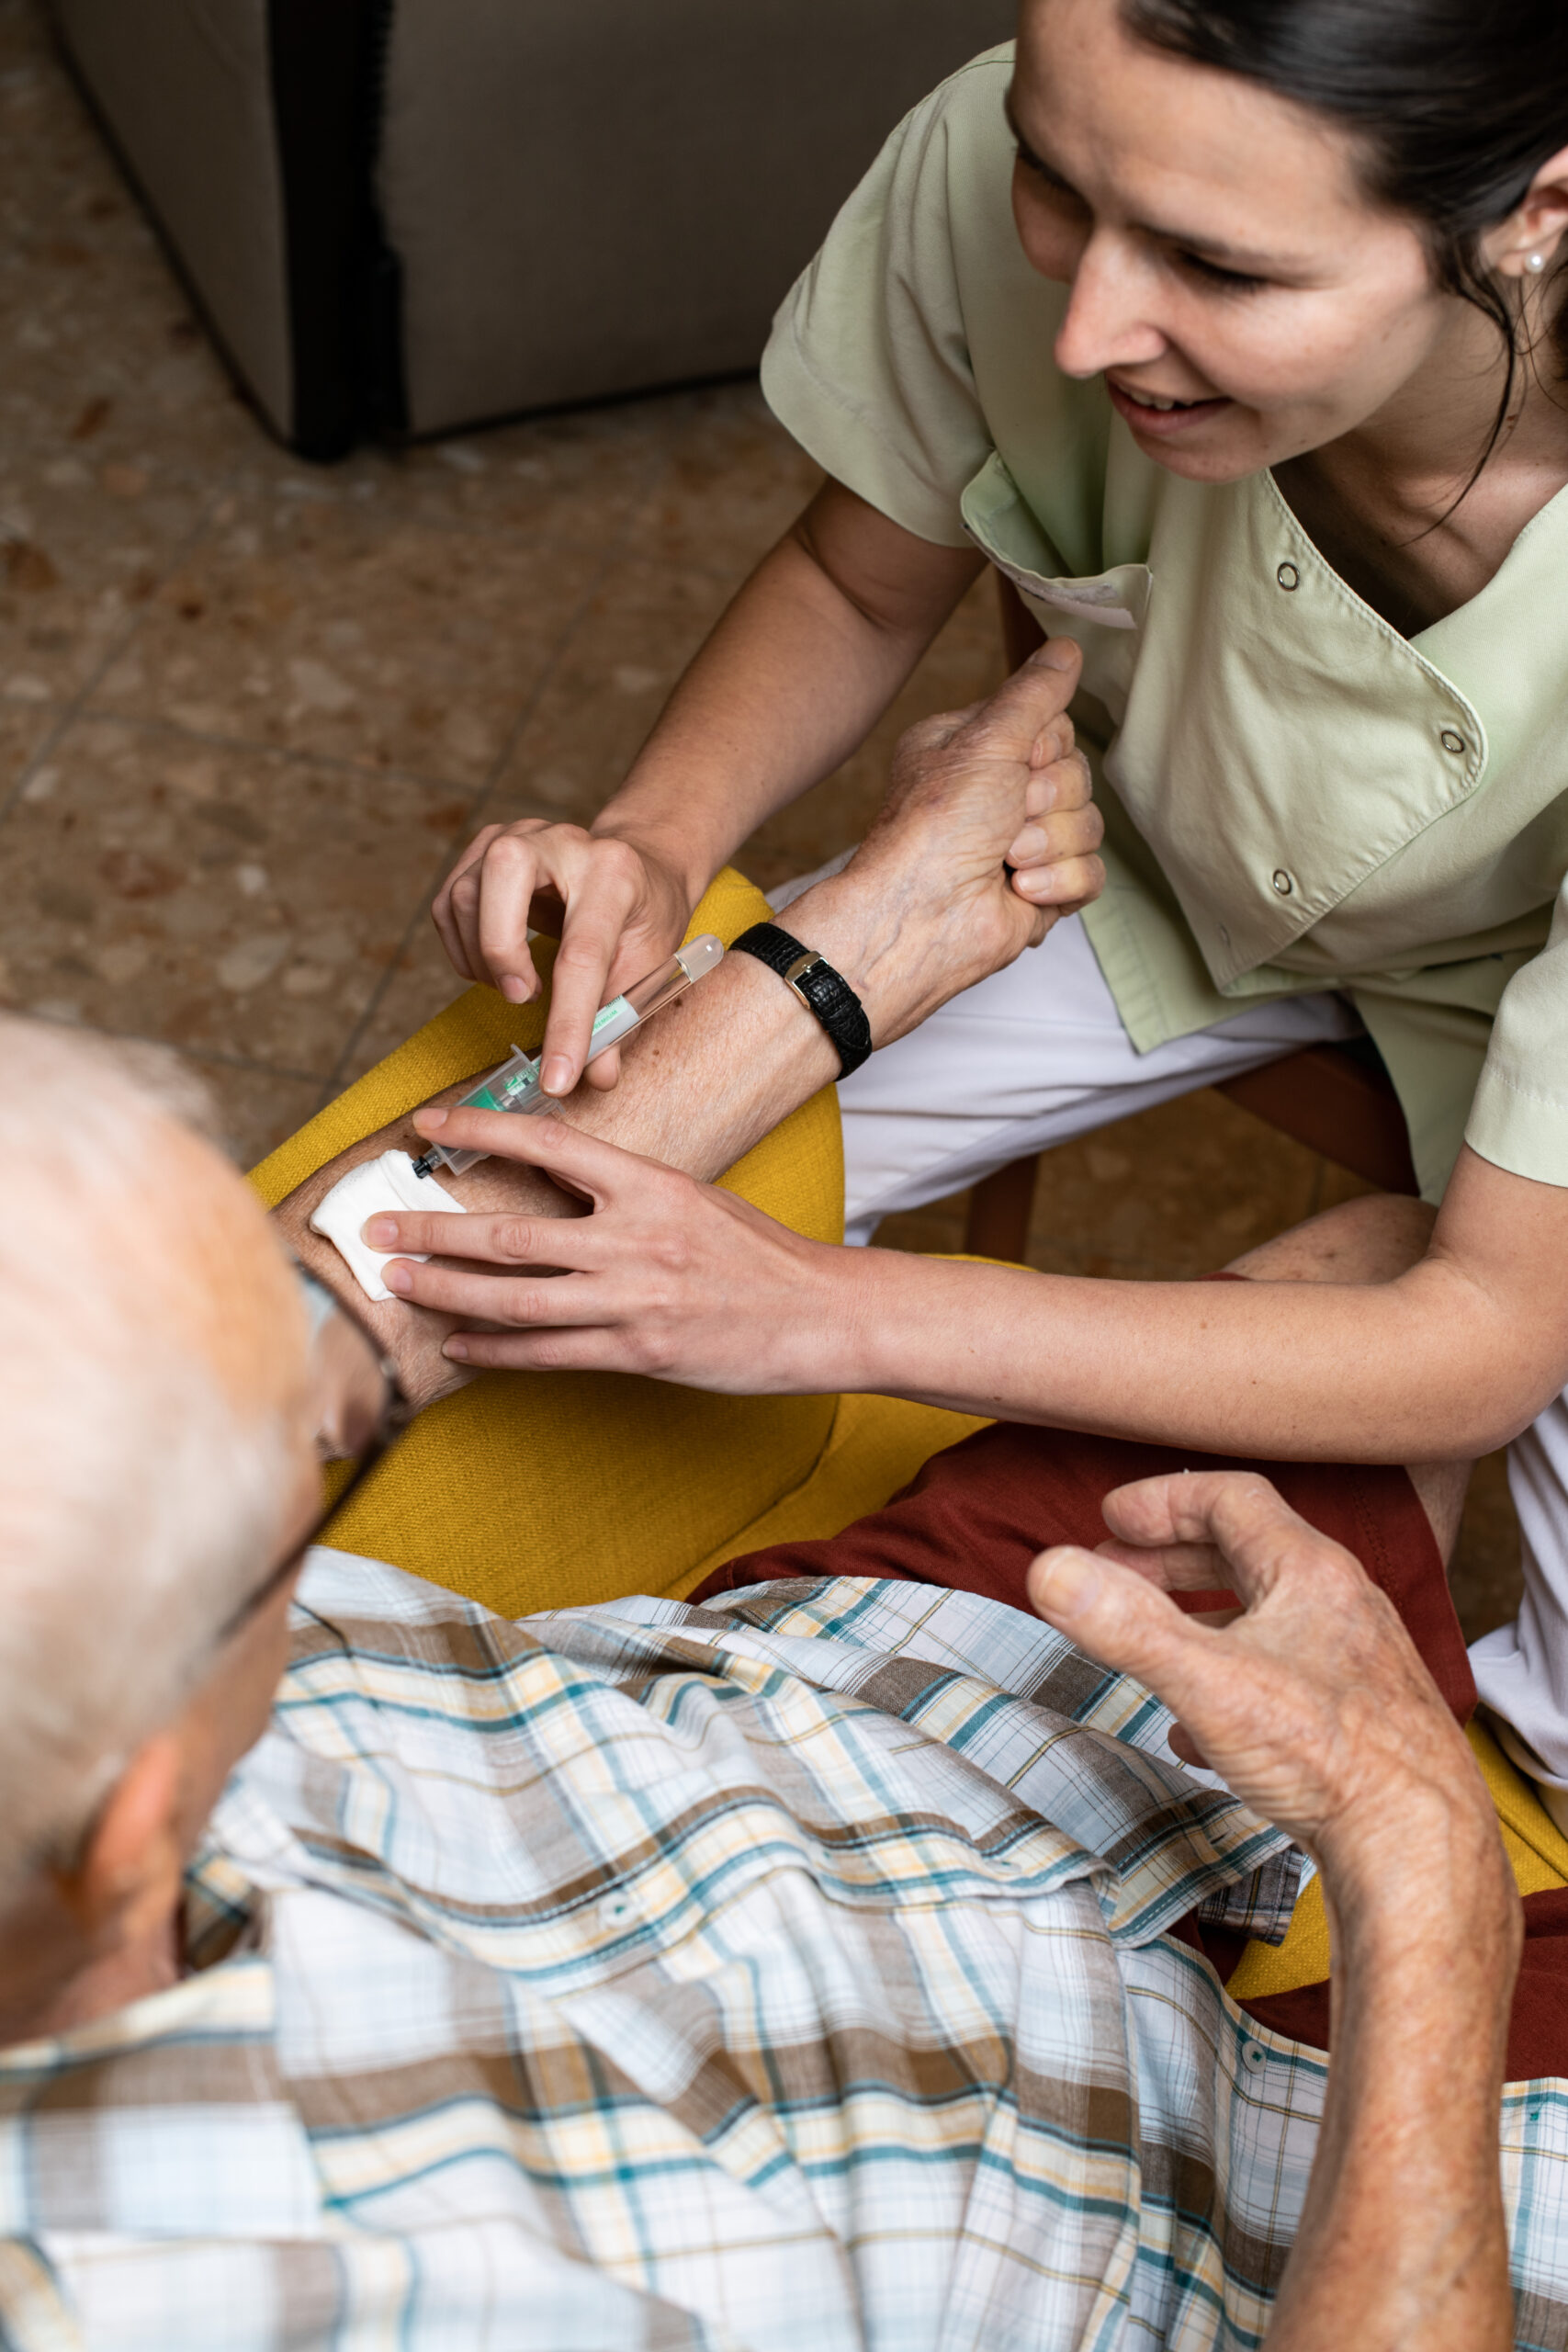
1456, 105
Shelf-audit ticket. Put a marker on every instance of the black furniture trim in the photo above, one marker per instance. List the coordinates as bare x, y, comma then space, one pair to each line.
345, 292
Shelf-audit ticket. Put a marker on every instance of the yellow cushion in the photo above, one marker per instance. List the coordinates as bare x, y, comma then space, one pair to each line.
1302, 1959
1536, 1848
537, 1490
875, 1446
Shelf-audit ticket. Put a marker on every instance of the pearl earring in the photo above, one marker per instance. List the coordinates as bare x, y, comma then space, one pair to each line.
1535, 264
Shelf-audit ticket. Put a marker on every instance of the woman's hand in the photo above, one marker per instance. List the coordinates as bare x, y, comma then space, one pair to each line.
620, 910
668, 1277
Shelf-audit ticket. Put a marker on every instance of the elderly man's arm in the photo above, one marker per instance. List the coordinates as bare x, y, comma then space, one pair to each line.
925, 908
1316, 1710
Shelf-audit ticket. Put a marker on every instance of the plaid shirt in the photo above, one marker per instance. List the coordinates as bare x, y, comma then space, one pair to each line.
789, 1974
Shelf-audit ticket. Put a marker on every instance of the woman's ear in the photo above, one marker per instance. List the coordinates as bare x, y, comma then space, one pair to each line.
1528, 243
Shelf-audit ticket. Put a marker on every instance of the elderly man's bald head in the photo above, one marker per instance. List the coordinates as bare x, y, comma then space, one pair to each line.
153, 1391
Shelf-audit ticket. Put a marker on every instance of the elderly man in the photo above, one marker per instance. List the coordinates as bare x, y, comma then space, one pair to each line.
781, 1972
830, 1960
802, 1969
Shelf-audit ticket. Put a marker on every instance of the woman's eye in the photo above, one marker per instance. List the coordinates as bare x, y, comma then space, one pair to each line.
1235, 281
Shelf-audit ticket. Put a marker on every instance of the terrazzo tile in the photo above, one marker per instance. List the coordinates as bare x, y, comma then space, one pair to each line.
98, 339
218, 900
1172, 1194
24, 727
254, 1109
418, 984
571, 481
311, 623
733, 482
964, 664
257, 1109
639, 629
1178, 1192
83, 547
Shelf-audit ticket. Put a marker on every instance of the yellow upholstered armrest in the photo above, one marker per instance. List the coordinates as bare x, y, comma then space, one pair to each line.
1536, 1848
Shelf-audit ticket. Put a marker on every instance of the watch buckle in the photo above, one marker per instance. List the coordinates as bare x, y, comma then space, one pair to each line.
799, 969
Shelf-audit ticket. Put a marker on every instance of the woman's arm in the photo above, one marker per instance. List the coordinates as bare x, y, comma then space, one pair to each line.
1447, 1360
793, 678
1443, 1363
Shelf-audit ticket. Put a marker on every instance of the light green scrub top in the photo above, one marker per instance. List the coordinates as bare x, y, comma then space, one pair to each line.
1296, 797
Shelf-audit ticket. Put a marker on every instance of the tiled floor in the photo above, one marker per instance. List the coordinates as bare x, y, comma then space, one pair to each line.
248, 710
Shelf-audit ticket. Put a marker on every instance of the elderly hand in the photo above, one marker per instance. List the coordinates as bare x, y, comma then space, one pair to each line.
1314, 1705
1316, 1710
986, 837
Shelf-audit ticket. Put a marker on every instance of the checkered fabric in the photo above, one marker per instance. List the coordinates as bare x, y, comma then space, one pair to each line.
786, 1974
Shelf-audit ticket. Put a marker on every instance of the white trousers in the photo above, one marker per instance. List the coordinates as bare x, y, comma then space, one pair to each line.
1521, 1670
1032, 1058
1037, 1054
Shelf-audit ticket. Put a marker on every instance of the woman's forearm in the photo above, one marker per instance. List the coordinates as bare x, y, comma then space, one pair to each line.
795, 674
1425, 1368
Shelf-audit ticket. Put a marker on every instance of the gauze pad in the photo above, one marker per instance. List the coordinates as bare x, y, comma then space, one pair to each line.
376, 1188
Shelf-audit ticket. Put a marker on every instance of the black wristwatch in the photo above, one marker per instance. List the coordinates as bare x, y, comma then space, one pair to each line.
824, 992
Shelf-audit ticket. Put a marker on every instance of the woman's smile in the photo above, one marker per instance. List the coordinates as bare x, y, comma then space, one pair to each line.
1160, 415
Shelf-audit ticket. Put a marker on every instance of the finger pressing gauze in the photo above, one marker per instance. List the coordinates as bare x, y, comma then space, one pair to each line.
376, 1188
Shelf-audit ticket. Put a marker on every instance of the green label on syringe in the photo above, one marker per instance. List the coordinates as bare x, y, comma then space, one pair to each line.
516, 1089
507, 1096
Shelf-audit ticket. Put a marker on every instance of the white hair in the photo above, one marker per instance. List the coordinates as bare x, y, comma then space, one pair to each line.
138, 1503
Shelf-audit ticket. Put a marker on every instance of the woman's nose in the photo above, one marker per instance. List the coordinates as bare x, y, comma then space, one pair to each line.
1107, 322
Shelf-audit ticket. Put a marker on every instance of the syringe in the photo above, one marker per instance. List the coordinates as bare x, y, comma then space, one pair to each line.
515, 1085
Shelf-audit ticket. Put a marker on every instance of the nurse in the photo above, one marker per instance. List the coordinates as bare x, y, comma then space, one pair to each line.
1231, 333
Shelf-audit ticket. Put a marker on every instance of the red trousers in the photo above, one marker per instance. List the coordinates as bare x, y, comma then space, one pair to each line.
976, 1515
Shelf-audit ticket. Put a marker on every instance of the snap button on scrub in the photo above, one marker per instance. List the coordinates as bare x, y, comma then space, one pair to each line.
1287, 576
1284, 884
1450, 740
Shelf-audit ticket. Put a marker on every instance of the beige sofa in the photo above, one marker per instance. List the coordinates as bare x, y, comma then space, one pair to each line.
405, 216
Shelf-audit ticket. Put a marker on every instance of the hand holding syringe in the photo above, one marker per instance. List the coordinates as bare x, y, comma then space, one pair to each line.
514, 1086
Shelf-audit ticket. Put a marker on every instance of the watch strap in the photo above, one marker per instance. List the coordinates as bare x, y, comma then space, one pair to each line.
825, 993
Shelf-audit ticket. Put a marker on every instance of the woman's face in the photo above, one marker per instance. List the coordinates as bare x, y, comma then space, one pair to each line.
1219, 251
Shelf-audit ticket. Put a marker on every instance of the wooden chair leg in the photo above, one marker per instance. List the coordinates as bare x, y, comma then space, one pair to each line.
999, 1206
1339, 1100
